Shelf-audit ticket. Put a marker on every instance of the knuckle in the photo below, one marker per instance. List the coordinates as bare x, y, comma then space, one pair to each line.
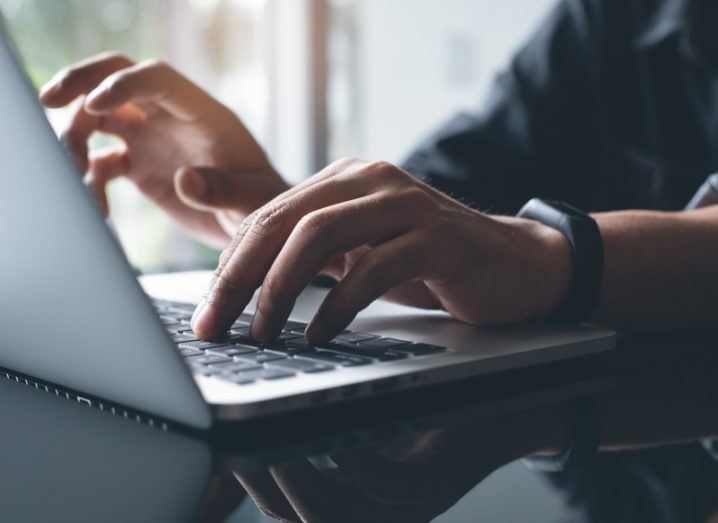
340, 166
313, 223
381, 166
225, 255
154, 63
114, 56
382, 171
271, 220
114, 81
416, 196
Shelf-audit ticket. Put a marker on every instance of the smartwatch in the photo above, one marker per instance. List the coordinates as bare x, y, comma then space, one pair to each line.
584, 237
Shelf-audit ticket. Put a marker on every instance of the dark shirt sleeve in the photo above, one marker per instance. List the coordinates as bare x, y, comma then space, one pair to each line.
534, 137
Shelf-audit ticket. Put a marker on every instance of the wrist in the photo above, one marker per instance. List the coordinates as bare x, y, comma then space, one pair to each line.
556, 263
550, 261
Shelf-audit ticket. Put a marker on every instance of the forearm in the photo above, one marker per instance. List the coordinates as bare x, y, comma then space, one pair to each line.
660, 269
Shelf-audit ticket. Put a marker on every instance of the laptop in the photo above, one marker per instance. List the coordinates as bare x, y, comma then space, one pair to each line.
64, 461
72, 312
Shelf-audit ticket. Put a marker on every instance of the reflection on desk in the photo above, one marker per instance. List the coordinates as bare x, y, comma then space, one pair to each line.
65, 461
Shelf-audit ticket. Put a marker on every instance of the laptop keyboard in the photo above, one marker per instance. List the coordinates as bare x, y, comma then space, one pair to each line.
241, 360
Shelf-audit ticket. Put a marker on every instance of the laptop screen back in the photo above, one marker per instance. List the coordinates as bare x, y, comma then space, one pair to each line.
71, 310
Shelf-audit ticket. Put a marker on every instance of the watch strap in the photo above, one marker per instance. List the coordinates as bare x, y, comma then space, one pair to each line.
586, 244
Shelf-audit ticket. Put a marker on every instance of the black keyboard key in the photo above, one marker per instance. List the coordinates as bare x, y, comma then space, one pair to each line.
287, 350
250, 376
177, 328
383, 343
343, 360
186, 307
232, 350
355, 337
259, 357
364, 352
204, 344
289, 335
300, 365
419, 349
295, 326
300, 343
234, 366
209, 359
182, 338
249, 344
187, 352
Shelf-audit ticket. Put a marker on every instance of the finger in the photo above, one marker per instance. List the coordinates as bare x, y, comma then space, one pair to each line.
208, 189
82, 125
270, 499
346, 166
316, 238
81, 78
150, 81
75, 136
261, 238
415, 294
374, 274
105, 166
327, 172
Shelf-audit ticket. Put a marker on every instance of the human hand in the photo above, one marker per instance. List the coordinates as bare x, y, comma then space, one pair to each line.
182, 148
382, 232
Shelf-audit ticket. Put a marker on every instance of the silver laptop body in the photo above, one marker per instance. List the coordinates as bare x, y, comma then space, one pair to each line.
73, 313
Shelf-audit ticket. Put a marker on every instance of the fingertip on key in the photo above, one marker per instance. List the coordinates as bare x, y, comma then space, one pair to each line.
203, 322
258, 330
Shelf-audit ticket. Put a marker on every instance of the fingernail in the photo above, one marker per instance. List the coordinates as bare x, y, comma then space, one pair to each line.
258, 328
198, 183
201, 305
202, 321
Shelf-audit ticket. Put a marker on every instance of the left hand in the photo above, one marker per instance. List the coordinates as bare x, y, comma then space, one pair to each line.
381, 232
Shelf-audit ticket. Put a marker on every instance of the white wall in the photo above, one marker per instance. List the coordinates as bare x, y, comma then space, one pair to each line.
422, 60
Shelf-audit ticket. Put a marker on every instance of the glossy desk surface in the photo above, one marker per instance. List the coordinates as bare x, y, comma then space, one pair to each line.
395, 459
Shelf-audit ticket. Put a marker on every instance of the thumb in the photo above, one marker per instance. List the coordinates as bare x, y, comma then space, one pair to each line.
207, 189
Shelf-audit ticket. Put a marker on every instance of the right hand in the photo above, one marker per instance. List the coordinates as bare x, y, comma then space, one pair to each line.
183, 149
